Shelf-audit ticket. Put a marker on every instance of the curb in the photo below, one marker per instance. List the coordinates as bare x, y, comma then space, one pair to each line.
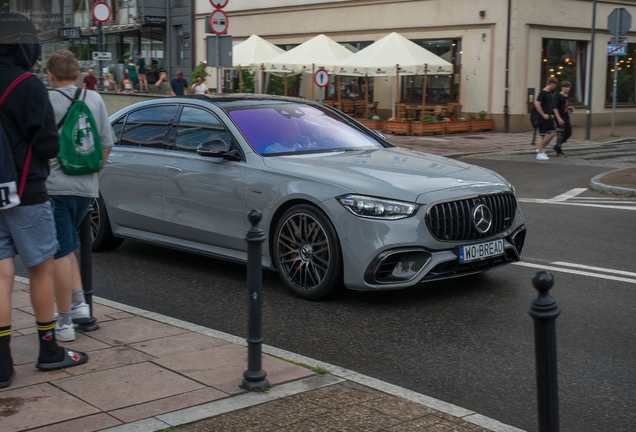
596, 184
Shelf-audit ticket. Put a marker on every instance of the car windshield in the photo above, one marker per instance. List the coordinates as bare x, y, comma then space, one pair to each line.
287, 128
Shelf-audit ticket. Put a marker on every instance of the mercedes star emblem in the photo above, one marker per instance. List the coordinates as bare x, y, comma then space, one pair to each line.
482, 218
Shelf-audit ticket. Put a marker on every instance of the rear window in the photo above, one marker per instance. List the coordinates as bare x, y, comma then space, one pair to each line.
295, 128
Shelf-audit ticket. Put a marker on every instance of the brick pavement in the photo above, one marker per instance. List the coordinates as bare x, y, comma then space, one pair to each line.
148, 372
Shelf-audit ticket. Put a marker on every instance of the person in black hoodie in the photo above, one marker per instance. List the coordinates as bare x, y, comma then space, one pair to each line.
28, 230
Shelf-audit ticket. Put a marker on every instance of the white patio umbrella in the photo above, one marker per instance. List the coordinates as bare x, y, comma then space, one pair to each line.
394, 55
252, 54
320, 52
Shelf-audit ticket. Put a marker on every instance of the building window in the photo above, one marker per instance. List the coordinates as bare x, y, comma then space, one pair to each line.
179, 45
440, 89
565, 60
625, 78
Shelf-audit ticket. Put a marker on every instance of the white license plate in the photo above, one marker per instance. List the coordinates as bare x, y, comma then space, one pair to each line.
480, 251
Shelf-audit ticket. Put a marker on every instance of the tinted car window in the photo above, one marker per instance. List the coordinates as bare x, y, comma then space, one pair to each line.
148, 126
196, 126
287, 127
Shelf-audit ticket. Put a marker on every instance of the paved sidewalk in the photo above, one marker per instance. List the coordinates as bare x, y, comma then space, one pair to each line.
148, 372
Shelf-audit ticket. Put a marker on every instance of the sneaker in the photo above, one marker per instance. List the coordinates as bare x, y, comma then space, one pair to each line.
81, 313
542, 156
557, 149
64, 332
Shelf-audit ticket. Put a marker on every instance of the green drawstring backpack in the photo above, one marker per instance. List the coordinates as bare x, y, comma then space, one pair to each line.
80, 144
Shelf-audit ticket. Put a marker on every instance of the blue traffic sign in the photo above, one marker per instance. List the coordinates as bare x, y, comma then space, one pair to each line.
616, 49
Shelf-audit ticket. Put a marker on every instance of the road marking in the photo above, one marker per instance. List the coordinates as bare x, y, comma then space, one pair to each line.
569, 194
600, 269
549, 201
576, 272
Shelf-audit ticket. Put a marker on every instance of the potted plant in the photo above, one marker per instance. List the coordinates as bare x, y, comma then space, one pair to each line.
459, 125
372, 121
429, 125
482, 123
394, 125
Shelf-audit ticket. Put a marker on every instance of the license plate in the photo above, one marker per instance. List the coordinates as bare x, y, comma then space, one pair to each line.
480, 251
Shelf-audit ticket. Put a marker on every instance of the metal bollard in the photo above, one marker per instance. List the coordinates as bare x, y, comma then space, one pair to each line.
254, 376
544, 311
86, 272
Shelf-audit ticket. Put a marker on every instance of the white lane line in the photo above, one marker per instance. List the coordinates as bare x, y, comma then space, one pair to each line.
600, 269
549, 201
569, 194
576, 272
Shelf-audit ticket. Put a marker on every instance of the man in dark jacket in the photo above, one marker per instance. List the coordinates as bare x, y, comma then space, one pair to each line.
28, 230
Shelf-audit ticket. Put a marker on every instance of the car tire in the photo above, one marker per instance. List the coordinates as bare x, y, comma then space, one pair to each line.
307, 253
103, 238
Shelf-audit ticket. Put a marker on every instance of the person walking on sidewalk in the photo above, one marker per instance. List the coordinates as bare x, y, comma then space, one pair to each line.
28, 229
547, 130
141, 71
178, 85
562, 110
72, 194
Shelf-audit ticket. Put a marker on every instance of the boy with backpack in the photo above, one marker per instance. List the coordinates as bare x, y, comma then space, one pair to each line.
28, 138
543, 106
562, 109
86, 138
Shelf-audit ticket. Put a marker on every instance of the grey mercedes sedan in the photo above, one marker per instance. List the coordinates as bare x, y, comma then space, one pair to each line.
341, 206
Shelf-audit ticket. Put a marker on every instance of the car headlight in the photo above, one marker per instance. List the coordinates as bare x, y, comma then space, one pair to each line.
377, 208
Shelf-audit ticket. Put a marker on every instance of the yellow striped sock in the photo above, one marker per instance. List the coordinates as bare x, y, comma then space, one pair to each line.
5, 333
46, 327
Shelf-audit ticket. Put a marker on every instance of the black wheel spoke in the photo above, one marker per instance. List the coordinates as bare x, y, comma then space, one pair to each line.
302, 248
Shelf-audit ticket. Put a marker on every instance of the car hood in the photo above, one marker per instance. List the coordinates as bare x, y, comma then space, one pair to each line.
390, 173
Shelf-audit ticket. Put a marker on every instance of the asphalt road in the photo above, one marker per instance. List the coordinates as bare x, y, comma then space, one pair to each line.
466, 341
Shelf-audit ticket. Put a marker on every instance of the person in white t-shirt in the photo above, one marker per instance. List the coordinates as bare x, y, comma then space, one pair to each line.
199, 87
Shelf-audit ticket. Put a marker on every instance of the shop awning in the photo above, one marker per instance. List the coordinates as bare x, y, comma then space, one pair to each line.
318, 52
384, 57
253, 52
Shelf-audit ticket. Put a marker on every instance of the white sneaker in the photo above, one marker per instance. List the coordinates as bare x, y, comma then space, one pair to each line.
542, 156
81, 313
64, 332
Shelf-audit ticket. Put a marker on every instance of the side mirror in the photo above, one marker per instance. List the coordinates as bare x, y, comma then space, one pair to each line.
214, 148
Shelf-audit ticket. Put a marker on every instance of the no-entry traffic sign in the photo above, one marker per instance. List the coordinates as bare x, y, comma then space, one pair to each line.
219, 4
321, 78
218, 22
101, 12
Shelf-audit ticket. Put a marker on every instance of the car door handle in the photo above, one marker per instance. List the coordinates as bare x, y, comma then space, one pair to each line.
174, 169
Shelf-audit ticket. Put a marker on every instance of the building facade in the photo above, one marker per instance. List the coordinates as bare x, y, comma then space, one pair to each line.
503, 50
159, 29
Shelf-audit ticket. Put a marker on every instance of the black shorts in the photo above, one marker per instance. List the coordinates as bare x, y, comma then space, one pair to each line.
547, 127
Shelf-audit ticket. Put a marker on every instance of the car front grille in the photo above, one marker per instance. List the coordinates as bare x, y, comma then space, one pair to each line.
453, 220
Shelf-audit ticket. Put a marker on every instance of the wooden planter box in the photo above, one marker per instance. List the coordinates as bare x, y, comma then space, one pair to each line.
428, 128
372, 124
397, 127
457, 126
482, 125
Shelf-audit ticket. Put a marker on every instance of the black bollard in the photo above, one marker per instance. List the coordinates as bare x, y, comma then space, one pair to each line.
86, 272
254, 376
544, 311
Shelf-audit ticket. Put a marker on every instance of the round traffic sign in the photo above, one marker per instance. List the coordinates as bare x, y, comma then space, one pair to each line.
101, 12
218, 22
219, 4
321, 78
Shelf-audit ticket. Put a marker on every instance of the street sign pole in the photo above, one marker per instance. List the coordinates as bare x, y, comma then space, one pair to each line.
615, 63
218, 64
100, 44
590, 74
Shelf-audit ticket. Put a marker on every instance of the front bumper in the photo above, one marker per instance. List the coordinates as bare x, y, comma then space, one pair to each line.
384, 255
